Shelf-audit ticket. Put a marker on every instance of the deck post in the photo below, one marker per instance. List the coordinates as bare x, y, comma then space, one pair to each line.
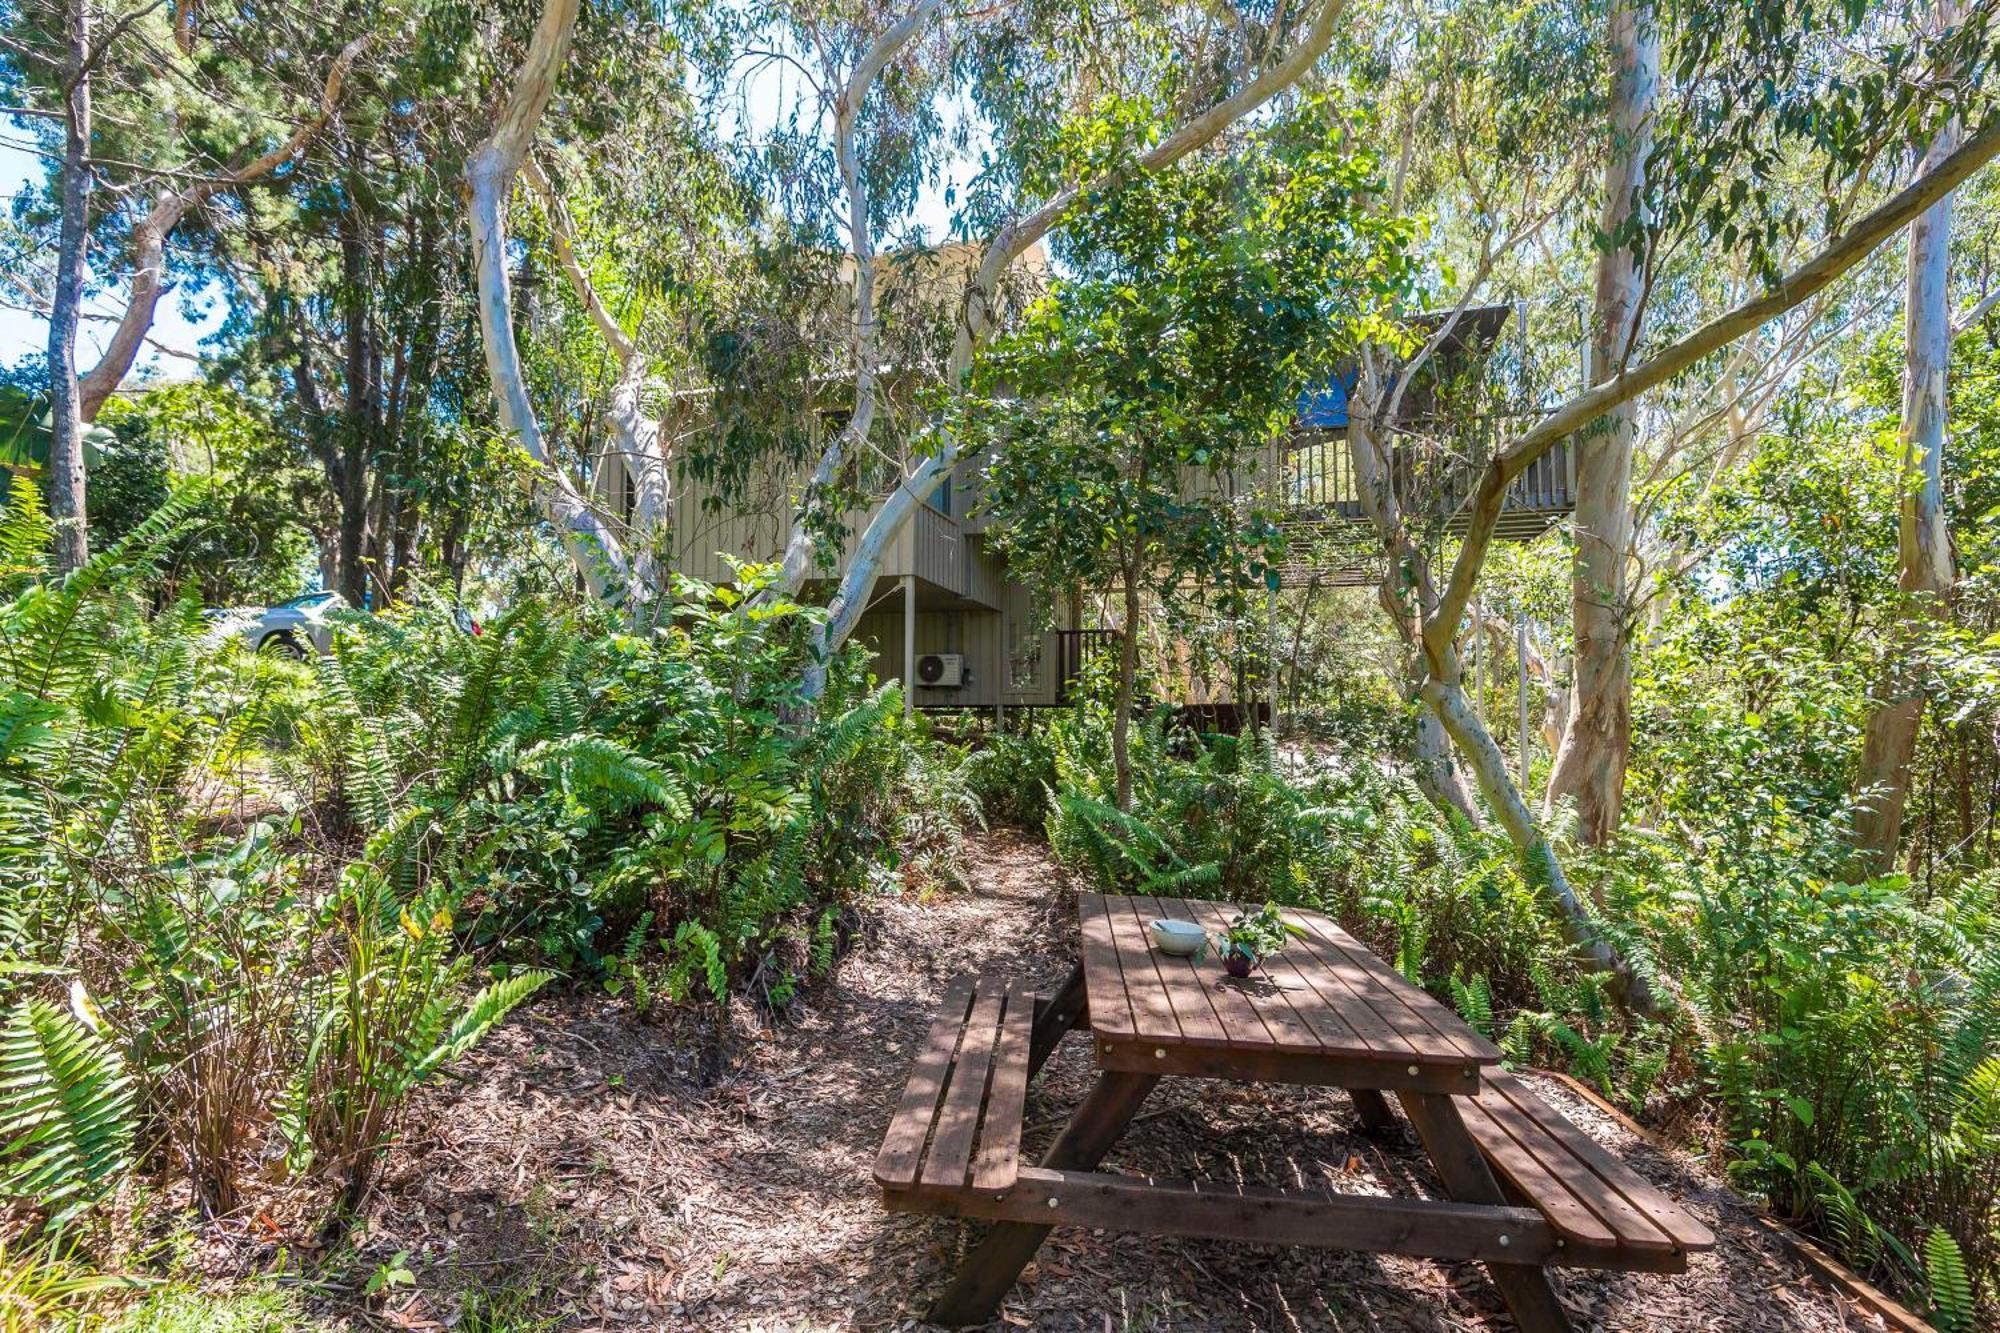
909, 645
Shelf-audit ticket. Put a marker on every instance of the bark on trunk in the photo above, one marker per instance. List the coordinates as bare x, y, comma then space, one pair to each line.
1591, 760
489, 175
1128, 671
1433, 766
360, 413
67, 499
1924, 561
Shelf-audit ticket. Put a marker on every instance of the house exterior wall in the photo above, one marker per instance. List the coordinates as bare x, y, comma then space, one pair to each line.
985, 637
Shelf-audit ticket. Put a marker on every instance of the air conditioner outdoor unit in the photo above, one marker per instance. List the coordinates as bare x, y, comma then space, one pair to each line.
941, 671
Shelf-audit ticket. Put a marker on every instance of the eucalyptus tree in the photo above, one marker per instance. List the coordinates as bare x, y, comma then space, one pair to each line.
1127, 417
1715, 160
53, 61
1591, 760
879, 80
1488, 107
1924, 564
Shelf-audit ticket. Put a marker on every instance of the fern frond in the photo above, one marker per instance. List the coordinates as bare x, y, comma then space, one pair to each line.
66, 1111
1952, 1307
482, 1013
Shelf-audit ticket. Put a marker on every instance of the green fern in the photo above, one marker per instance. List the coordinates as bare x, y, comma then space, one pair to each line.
1976, 1117
696, 950
66, 1112
482, 1013
1474, 1002
1853, 1232
599, 764
1952, 1307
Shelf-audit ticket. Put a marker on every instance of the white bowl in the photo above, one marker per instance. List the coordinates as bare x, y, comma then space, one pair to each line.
1182, 939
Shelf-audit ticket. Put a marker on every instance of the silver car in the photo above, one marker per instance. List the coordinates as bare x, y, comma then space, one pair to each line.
291, 628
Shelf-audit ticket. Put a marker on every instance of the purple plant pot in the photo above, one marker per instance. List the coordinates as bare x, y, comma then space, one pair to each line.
1238, 965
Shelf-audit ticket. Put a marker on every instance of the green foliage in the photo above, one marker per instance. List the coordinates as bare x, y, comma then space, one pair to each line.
390, 1016
66, 1112
583, 777
180, 1310
1011, 774
45, 1286
1952, 1305
1258, 933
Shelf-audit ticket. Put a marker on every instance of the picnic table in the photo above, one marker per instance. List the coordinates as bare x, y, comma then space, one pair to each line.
1526, 1189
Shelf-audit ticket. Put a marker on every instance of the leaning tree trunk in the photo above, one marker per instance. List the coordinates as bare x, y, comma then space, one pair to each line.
489, 178
1924, 563
1404, 592
67, 504
1444, 691
1591, 760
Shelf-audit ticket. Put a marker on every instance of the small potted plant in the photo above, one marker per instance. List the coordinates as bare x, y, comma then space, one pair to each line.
1254, 936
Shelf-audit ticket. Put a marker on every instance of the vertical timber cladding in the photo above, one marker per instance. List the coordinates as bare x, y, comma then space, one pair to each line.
973, 633
989, 624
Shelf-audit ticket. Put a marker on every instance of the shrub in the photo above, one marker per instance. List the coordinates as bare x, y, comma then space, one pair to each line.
593, 777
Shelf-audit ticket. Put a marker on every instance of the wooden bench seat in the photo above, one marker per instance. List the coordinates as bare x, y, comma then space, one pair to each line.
1593, 1201
958, 1127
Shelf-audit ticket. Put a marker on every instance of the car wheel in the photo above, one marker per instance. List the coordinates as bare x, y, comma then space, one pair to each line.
282, 644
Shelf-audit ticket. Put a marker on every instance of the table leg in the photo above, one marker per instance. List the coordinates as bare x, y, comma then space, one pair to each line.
1373, 1108
1054, 1018
997, 1261
1467, 1178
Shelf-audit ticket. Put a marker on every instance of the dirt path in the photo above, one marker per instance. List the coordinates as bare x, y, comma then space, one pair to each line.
582, 1171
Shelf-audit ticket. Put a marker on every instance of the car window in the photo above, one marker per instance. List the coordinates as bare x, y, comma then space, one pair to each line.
311, 599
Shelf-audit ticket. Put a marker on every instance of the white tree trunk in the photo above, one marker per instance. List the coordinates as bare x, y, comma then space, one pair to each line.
810, 521
67, 501
976, 316
1405, 590
489, 175
1591, 760
1924, 561
635, 436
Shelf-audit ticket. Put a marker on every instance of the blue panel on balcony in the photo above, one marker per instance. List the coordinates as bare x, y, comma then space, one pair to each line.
1326, 408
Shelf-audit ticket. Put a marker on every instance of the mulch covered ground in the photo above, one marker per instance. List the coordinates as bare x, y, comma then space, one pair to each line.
588, 1168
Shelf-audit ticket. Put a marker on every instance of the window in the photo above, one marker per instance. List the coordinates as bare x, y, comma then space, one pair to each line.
1024, 654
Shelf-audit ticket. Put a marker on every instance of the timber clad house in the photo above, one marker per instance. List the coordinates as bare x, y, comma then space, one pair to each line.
947, 618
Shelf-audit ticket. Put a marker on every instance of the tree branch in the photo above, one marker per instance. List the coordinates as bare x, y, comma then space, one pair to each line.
1799, 285
564, 232
149, 240
489, 176
1012, 240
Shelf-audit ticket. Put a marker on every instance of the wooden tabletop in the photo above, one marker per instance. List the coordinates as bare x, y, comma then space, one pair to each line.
1322, 1010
